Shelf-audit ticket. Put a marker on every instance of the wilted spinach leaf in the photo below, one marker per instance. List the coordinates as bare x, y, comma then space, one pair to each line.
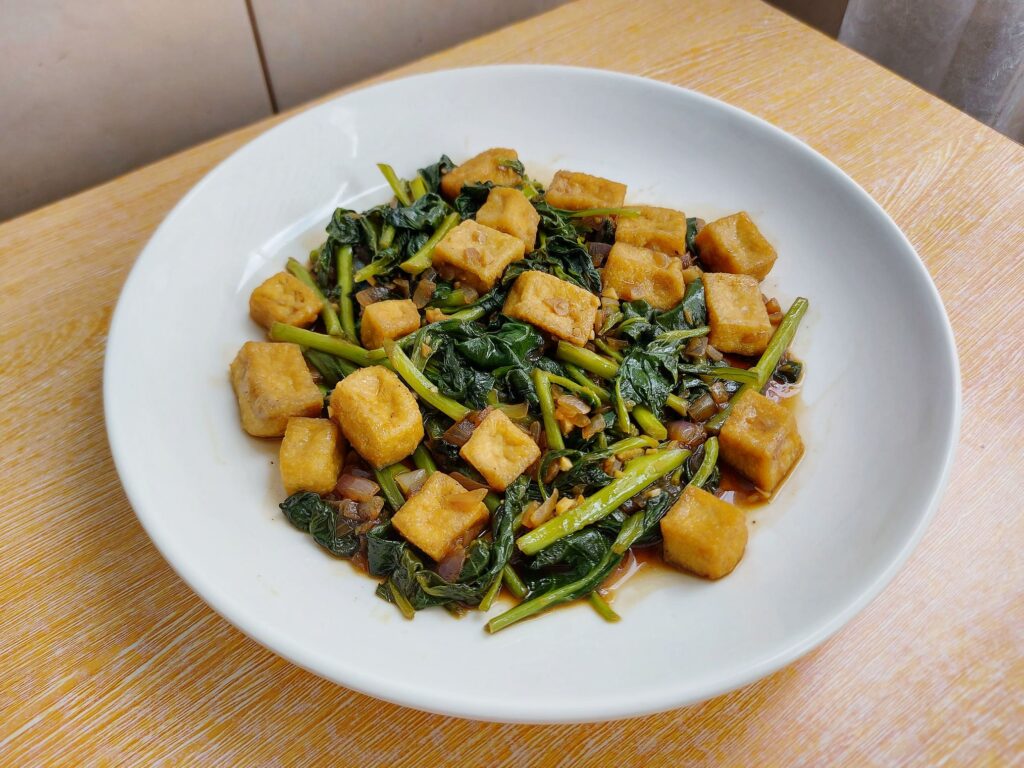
567, 560
471, 199
424, 214
308, 512
562, 257
432, 173
553, 223
648, 374
691, 233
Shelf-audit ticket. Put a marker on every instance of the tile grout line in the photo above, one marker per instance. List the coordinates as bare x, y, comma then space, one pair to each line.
262, 56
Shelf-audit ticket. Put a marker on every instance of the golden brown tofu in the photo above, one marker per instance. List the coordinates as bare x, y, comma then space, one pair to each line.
388, 320
739, 322
440, 516
556, 306
272, 384
499, 450
760, 440
639, 273
487, 166
703, 534
508, 210
735, 244
579, 191
311, 455
477, 255
378, 415
661, 229
283, 298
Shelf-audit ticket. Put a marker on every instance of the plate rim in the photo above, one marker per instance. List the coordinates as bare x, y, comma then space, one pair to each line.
457, 705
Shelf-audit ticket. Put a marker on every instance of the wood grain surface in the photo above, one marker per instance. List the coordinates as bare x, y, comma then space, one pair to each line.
107, 658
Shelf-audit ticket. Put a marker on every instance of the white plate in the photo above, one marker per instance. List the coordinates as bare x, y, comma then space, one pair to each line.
880, 412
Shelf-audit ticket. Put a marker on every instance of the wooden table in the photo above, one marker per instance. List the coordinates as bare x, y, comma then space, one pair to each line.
107, 658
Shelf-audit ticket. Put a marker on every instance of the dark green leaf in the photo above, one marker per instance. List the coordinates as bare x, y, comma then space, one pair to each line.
424, 214
432, 173
471, 199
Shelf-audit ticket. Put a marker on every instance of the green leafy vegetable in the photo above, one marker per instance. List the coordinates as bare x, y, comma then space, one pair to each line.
308, 512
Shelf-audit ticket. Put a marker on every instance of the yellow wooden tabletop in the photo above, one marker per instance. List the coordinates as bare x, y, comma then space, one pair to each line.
107, 658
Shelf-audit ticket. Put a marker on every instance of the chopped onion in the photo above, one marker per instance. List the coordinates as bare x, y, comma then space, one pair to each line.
424, 293
542, 512
703, 408
719, 393
347, 509
596, 424
696, 347
535, 430
369, 296
466, 501
598, 252
686, 432
459, 432
771, 305
573, 403
775, 317
469, 295
402, 285
713, 354
516, 411
370, 509
469, 483
356, 488
451, 566
410, 482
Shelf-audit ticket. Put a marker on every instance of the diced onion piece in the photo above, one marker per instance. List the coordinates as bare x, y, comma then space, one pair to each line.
686, 433
713, 354
719, 393
451, 566
356, 488
596, 424
516, 411
542, 512
703, 408
469, 295
410, 482
370, 509
467, 500
459, 432
696, 347
469, 483
572, 404
424, 293
369, 296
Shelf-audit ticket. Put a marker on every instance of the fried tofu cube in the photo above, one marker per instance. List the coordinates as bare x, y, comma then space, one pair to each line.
703, 534
580, 191
489, 165
272, 383
378, 415
735, 244
441, 516
477, 255
499, 450
554, 305
739, 322
283, 298
311, 455
661, 229
760, 440
508, 210
639, 273
388, 320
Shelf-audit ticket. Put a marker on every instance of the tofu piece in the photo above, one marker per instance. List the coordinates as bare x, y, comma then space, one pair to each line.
388, 320
703, 534
283, 298
579, 191
739, 322
435, 525
554, 305
508, 210
760, 440
483, 167
272, 384
378, 415
639, 273
661, 229
311, 455
477, 255
735, 245
499, 450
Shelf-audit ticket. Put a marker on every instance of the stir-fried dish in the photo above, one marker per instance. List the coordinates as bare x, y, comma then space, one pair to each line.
485, 385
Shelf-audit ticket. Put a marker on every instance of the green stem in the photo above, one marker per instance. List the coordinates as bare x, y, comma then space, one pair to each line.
492, 501
603, 394
421, 385
649, 423
588, 212
742, 375
326, 310
604, 610
387, 236
636, 475
765, 367
396, 184
329, 344
677, 404
607, 349
622, 422
688, 333
417, 187
423, 460
420, 260
707, 465
629, 443
345, 306
547, 409
490, 594
386, 480
587, 360
587, 392
513, 582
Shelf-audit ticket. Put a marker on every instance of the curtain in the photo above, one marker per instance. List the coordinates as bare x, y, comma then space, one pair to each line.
968, 52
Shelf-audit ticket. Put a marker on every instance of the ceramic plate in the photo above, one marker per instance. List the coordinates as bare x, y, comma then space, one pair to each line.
879, 412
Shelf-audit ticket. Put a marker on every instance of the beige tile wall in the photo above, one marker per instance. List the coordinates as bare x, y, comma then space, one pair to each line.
92, 88
314, 46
